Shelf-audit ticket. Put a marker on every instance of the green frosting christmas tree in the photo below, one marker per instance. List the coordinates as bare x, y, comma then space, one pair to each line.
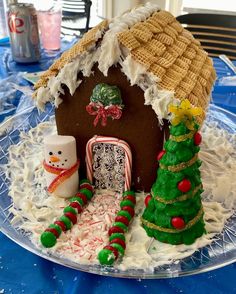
174, 212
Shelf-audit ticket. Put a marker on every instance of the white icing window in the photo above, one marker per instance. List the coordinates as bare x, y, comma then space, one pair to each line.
109, 163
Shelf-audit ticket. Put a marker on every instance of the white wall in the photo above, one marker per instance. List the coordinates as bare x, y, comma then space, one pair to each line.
120, 6
161, 3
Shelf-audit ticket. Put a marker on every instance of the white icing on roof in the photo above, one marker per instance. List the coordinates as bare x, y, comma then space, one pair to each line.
108, 54
110, 47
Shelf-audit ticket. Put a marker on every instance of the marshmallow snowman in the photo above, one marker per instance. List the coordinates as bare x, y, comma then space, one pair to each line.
61, 165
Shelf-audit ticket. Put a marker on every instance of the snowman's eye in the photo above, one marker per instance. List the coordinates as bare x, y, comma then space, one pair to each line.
50, 153
59, 152
65, 160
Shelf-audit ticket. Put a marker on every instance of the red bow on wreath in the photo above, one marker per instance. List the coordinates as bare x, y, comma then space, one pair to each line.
103, 112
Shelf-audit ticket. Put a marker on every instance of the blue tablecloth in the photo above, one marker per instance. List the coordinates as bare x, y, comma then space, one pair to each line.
24, 272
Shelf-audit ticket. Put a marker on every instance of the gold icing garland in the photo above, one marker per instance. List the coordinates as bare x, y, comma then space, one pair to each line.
172, 231
180, 198
182, 138
181, 166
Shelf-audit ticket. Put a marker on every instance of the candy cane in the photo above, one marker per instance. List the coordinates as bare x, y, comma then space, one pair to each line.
114, 141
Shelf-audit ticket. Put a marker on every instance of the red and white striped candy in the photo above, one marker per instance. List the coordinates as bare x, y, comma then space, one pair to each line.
114, 141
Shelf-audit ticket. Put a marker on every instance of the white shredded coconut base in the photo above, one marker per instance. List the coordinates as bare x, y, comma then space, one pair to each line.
34, 209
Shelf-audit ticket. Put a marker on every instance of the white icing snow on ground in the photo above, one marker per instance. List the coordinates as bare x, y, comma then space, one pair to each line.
34, 209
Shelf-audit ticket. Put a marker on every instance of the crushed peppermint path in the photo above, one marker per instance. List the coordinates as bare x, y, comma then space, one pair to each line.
90, 233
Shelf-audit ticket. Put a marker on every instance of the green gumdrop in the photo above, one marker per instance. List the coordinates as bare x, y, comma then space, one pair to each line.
106, 257
124, 213
77, 199
48, 239
70, 209
87, 193
66, 221
84, 181
119, 248
121, 225
126, 203
56, 227
117, 235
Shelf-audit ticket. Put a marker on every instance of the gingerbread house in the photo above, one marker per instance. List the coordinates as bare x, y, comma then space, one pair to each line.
151, 60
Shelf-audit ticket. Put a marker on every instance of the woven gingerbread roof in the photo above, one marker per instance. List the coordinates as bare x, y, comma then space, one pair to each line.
88, 40
165, 48
172, 54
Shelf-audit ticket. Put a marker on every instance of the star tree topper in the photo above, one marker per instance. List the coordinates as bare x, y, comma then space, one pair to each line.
184, 112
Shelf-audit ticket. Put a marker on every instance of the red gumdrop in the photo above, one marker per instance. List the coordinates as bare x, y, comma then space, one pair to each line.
113, 249
113, 230
61, 224
131, 198
54, 231
129, 209
147, 199
184, 186
86, 186
177, 222
122, 219
197, 139
160, 154
76, 205
71, 216
118, 241
83, 197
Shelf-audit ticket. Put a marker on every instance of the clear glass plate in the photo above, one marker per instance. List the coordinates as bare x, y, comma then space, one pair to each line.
220, 253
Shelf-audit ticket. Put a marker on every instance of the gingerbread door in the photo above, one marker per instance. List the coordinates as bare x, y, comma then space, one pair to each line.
109, 163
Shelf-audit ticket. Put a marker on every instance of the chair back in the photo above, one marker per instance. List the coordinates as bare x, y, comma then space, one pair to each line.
76, 9
216, 32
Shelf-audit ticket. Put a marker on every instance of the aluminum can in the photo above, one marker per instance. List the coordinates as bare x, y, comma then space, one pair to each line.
24, 35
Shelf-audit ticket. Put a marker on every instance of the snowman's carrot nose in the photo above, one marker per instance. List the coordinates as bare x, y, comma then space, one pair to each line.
54, 159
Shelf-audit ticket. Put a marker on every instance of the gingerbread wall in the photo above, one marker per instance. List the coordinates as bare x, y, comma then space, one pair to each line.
138, 125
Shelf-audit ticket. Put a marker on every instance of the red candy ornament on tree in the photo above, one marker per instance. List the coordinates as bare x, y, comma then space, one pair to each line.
147, 199
160, 154
197, 139
184, 186
178, 223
